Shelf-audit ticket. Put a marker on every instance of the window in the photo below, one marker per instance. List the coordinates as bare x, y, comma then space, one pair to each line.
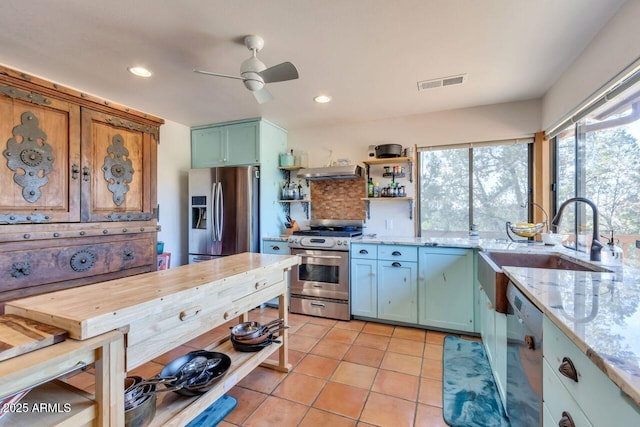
485, 184
599, 159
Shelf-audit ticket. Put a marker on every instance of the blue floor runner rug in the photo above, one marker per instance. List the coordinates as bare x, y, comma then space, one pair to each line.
214, 413
469, 394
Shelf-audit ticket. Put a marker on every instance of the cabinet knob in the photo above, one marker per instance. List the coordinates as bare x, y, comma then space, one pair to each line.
568, 369
364, 251
566, 420
396, 253
275, 248
396, 264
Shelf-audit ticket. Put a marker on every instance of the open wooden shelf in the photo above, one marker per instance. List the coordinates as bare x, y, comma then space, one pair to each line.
290, 168
53, 404
390, 199
173, 409
387, 161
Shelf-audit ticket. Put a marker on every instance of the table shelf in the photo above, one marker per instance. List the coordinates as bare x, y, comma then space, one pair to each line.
173, 409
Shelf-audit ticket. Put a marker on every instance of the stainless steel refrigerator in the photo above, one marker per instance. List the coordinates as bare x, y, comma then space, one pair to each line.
224, 212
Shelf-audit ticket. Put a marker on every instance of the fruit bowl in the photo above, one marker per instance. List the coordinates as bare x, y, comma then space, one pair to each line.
553, 239
526, 229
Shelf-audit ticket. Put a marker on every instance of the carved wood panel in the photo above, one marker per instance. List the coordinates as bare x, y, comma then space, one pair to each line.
40, 144
118, 184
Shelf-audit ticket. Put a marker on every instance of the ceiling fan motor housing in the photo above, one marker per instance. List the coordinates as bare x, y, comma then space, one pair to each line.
249, 71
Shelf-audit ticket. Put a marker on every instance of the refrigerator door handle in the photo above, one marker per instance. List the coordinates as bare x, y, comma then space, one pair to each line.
220, 222
214, 228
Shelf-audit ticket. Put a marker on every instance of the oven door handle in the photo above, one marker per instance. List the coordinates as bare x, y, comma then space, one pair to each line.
320, 256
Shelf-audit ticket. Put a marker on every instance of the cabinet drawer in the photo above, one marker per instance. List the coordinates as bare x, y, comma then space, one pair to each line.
398, 253
364, 251
558, 400
600, 399
277, 247
45, 262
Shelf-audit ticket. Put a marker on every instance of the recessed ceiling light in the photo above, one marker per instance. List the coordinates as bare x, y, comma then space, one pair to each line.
140, 71
322, 99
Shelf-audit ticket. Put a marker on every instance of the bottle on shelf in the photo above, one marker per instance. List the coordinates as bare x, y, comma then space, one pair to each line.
370, 188
376, 190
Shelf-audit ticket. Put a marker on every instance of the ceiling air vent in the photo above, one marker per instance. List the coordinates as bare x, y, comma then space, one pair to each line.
443, 81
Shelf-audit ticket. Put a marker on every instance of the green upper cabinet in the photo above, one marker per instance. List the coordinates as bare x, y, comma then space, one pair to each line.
226, 145
445, 288
246, 142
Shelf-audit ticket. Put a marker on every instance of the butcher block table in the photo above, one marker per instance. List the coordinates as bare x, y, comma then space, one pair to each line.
162, 310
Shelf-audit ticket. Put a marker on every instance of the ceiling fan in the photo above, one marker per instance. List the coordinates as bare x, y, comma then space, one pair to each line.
255, 75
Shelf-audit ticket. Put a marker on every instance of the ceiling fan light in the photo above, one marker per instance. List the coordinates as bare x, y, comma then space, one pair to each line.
252, 81
140, 71
322, 99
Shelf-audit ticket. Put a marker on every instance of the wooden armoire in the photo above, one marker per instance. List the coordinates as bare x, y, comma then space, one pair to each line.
78, 200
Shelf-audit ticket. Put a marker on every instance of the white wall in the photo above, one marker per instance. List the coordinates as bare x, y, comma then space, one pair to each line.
614, 48
351, 141
174, 160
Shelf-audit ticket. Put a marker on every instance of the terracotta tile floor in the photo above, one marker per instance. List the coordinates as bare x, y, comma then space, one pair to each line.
344, 374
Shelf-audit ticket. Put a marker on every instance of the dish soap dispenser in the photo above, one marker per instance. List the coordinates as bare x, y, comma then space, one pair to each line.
611, 252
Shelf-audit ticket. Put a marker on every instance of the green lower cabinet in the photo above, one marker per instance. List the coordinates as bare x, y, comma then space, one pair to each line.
397, 291
364, 287
445, 288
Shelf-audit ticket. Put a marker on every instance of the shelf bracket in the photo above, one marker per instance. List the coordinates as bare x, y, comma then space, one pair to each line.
305, 206
410, 209
367, 206
410, 164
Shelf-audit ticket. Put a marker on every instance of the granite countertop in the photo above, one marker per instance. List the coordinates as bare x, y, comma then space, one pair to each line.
452, 242
599, 312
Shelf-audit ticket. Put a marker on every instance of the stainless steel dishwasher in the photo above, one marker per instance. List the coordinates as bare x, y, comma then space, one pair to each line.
524, 360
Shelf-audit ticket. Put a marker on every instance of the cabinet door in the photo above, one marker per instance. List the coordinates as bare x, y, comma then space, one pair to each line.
445, 288
39, 140
208, 147
397, 291
242, 144
364, 288
119, 161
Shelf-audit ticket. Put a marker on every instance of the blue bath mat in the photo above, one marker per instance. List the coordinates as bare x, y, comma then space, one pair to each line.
214, 413
469, 394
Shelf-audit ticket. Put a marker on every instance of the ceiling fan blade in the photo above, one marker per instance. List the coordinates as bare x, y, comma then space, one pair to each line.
209, 73
279, 73
263, 95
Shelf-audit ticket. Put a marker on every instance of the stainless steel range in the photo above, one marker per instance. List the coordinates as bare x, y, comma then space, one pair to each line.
320, 285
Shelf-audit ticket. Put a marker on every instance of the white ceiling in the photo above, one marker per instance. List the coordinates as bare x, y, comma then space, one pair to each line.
367, 54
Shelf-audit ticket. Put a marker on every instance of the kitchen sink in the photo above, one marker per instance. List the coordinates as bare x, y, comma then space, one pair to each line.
494, 281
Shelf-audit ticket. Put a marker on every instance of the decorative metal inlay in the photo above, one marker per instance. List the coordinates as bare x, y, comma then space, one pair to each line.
114, 121
114, 216
11, 218
82, 261
20, 269
118, 169
31, 159
16, 93
127, 255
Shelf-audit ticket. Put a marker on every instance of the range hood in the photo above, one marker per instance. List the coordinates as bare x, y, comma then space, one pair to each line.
331, 173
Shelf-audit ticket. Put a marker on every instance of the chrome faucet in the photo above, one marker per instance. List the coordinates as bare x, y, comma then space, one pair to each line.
596, 245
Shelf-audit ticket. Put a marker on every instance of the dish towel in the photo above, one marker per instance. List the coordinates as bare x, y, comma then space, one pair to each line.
214, 413
469, 394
